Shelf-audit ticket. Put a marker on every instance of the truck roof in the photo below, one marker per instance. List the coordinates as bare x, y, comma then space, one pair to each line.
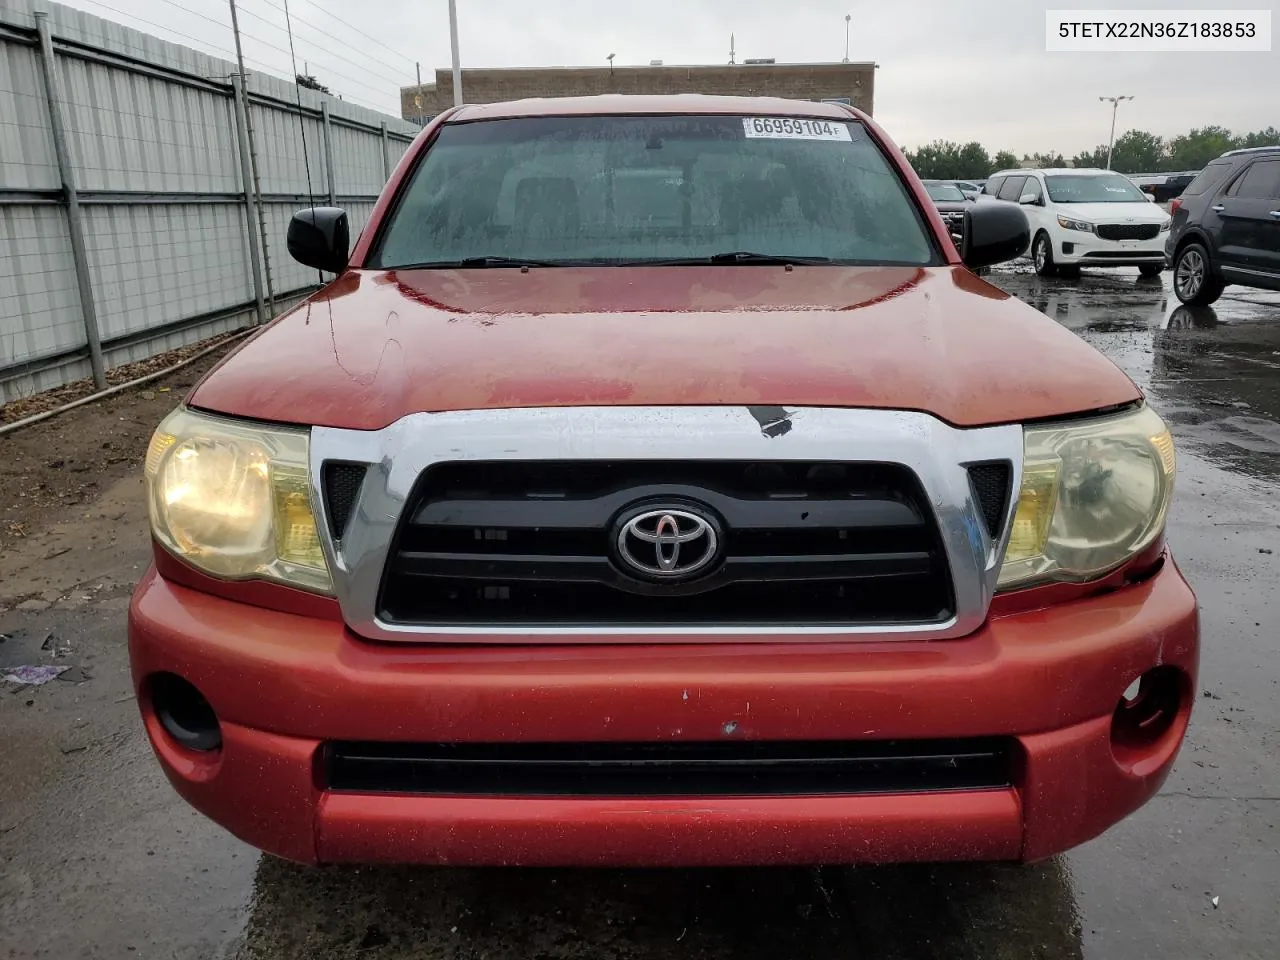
678, 103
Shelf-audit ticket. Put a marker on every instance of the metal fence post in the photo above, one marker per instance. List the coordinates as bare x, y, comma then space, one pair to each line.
328, 152
53, 96
246, 178
386, 158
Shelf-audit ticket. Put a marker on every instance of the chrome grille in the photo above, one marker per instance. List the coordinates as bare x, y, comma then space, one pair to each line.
627, 438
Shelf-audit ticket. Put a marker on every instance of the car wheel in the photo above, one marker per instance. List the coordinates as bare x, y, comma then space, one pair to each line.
1149, 270
1042, 255
1193, 279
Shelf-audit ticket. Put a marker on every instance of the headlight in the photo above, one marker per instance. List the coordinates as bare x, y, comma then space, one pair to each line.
1166, 225
1093, 495
1068, 224
232, 499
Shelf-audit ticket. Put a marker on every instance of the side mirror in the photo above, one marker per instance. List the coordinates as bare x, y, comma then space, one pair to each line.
1030, 199
994, 233
319, 237
1151, 197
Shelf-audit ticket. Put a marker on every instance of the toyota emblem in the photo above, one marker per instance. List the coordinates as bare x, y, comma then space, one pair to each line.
666, 543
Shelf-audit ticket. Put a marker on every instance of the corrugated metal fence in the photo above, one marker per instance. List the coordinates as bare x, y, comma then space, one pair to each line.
156, 190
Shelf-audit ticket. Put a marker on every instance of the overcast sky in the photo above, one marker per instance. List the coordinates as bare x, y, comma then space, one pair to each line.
954, 69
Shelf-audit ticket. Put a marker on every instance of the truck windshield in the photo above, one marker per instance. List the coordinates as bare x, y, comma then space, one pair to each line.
653, 189
1084, 188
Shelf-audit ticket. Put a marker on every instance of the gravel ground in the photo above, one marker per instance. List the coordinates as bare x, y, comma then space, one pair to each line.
68, 461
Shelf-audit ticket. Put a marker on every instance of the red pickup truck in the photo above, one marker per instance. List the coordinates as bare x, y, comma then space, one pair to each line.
656, 483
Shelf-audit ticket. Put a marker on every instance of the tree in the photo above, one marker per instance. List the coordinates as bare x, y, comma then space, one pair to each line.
1138, 152
1194, 150
1044, 161
945, 160
973, 162
934, 161
311, 83
1269, 137
1134, 152
1096, 157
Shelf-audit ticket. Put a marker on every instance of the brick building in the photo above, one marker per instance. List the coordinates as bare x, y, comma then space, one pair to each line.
852, 82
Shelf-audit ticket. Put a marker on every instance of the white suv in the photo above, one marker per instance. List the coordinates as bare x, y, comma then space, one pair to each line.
1083, 217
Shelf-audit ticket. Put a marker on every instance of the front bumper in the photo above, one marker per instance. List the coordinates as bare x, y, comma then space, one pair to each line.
1090, 250
283, 685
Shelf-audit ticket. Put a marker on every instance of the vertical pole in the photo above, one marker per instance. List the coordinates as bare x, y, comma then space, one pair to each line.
386, 158
53, 95
246, 177
328, 152
1115, 105
453, 44
253, 160
235, 30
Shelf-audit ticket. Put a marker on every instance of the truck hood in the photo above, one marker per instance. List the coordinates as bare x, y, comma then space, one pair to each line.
374, 346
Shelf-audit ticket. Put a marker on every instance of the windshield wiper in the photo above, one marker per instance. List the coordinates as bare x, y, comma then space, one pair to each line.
734, 257
715, 259
479, 263
747, 256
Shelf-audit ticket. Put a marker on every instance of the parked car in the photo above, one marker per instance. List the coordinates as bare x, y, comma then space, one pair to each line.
1085, 217
969, 188
950, 203
554, 532
1162, 187
1226, 227
1173, 186
1146, 182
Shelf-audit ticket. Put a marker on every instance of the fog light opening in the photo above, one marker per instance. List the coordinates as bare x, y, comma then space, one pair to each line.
185, 714
1147, 712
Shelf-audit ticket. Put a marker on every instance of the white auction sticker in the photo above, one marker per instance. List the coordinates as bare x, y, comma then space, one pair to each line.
795, 128
1158, 31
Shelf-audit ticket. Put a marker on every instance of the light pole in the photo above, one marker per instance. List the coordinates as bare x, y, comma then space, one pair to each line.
453, 42
1115, 104
847, 18
610, 59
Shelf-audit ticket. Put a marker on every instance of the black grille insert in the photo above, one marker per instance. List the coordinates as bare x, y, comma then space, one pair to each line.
742, 768
991, 486
532, 543
1128, 231
341, 485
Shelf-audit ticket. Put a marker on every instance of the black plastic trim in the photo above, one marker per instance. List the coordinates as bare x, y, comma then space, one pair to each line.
341, 482
990, 482
742, 768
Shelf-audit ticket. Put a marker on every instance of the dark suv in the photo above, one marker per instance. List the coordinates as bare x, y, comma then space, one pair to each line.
1226, 227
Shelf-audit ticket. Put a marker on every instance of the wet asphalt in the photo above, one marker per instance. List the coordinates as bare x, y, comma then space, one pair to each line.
99, 858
